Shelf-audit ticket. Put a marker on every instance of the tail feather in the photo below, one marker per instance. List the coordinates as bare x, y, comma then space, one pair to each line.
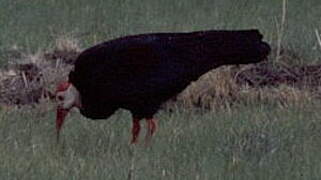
235, 47
216, 48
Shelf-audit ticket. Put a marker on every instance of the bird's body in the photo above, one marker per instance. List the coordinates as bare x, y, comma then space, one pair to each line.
140, 72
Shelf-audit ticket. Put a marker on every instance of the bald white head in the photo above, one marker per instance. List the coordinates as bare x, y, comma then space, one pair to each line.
67, 97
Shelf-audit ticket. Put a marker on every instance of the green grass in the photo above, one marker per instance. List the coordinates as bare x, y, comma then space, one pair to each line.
253, 142
35, 24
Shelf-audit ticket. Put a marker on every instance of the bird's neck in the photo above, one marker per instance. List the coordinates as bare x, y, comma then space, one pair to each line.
77, 96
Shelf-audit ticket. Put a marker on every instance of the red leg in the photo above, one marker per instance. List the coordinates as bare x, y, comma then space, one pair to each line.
151, 128
135, 130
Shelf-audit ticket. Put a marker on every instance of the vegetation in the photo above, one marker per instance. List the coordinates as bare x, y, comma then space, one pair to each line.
219, 128
247, 142
36, 24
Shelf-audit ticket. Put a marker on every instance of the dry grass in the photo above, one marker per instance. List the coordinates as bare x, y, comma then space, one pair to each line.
32, 78
215, 89
220, 89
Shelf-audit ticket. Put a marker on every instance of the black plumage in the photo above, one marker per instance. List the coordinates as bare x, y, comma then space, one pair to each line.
140, 72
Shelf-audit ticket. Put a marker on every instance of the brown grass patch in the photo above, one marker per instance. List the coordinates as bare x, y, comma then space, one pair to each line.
31, 78
34, 78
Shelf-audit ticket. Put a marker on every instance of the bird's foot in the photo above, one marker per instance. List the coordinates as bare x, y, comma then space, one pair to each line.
135, 130
151, 128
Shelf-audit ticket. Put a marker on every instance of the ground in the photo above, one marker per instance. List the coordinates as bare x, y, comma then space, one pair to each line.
259, 121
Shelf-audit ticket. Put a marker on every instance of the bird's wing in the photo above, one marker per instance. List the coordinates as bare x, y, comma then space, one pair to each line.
161, 64
103, 72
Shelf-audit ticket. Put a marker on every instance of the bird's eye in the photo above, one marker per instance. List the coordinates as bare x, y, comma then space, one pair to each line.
60, 98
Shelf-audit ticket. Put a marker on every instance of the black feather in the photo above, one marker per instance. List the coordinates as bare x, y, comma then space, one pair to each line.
140, 72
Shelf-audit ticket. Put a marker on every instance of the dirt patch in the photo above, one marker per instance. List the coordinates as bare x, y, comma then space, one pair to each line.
35, 76
67, 57
267, 74
35, 79
283, 83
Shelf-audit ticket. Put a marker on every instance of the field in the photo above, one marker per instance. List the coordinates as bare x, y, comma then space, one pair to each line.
252, 142
236, 132
36, 24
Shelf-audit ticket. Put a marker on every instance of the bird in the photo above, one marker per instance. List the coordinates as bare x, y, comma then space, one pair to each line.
140, 72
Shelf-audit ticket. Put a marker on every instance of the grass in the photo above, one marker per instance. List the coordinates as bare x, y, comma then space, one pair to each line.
252, 142
35, 24
260, 137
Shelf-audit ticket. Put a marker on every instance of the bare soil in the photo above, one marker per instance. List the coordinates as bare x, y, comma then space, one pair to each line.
35, 79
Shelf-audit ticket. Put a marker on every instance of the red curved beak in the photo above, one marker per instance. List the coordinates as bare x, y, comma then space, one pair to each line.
60, 117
